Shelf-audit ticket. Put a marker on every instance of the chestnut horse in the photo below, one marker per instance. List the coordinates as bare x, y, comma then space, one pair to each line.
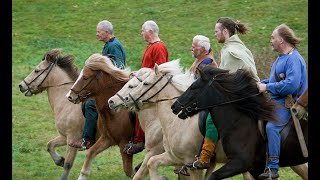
236, 104
300, 108
56, 74
100, 79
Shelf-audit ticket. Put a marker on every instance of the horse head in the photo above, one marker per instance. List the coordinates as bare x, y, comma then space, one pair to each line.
46, 73
98, 74
142, 96
120, 100
195, 98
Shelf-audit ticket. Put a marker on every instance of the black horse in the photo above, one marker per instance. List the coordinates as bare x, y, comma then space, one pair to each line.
236, 106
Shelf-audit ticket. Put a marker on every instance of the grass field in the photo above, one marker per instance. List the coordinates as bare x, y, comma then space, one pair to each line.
41, 25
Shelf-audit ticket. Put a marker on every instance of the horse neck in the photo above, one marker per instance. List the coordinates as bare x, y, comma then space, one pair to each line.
57, 97
106, 90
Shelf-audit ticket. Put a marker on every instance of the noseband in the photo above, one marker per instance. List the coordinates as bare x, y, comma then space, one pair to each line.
88, 93
135, 101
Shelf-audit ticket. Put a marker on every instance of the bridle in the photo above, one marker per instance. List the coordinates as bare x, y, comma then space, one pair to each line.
135, 101
48, 68
187, 107
86, 85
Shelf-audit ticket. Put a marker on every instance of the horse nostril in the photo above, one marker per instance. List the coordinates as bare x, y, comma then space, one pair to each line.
110, 102
20, 86
126, 98
69, 98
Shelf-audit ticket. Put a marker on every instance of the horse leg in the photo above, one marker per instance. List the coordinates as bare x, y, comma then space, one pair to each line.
51, 145
143, 170
209, 170
101, 144
126, 161
68, 163
301, 170
232, 168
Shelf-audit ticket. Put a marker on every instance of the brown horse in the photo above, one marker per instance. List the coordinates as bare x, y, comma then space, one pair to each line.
100, 79
56, 74
300, 108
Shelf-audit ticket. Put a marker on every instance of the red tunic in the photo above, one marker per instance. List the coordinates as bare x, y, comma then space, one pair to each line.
156, 52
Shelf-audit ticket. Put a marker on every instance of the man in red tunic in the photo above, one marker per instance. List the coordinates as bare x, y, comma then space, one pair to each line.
155, 52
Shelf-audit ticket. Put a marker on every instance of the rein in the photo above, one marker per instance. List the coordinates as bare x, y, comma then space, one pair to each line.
135, 101
189, 108
88, 93
49, 68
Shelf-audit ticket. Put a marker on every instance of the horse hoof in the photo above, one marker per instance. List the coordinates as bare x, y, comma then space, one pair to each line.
164, 178
60, 162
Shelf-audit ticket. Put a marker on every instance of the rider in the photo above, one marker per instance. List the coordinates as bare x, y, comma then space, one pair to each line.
115, 51
155, 52
292, 64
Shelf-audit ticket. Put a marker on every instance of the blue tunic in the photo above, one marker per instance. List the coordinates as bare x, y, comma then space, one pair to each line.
295, 83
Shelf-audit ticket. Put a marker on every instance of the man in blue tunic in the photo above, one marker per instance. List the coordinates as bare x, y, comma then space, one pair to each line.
293, 66
115, 51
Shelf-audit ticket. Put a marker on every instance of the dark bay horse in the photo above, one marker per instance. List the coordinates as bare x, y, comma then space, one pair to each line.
100, 79
56, 74
236, 105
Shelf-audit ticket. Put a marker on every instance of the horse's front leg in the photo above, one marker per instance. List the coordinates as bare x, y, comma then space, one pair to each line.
51, 148
143, 170
68, 163
101, 144
126, 159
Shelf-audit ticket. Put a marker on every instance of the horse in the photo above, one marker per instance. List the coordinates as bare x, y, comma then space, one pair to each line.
236, 105
156, 91
55, 74
149, 123
300, 107
100, 79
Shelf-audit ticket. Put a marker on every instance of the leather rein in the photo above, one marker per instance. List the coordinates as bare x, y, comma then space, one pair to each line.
49, 68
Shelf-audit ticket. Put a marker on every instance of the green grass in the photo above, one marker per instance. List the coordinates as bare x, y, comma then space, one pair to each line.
40, 25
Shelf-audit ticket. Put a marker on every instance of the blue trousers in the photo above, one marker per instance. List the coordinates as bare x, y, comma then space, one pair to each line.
273, 132
91, 116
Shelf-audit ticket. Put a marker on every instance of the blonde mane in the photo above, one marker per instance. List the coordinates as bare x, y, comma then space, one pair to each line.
98, 62
181, 79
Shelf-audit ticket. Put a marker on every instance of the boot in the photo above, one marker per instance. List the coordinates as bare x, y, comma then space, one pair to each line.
269, 174
203, 162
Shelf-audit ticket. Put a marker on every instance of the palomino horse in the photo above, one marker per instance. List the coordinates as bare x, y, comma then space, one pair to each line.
149, 123
100, 79
300, 108
158, 92
236, 104
56, 74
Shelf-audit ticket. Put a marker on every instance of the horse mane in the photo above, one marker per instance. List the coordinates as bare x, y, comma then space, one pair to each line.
99, 62
171, 67
181, 80
241, 84
66, 62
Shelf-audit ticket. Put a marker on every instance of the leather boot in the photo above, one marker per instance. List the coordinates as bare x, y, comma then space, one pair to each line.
269, 174
207, 151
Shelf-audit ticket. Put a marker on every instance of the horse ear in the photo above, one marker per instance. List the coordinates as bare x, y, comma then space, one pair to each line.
202, 74
156, 68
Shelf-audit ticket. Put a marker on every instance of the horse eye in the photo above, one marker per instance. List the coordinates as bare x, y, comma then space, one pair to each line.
36, 70
130, 86
146, 84
85, 78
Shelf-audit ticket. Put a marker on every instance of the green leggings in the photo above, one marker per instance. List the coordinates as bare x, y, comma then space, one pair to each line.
211, 130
